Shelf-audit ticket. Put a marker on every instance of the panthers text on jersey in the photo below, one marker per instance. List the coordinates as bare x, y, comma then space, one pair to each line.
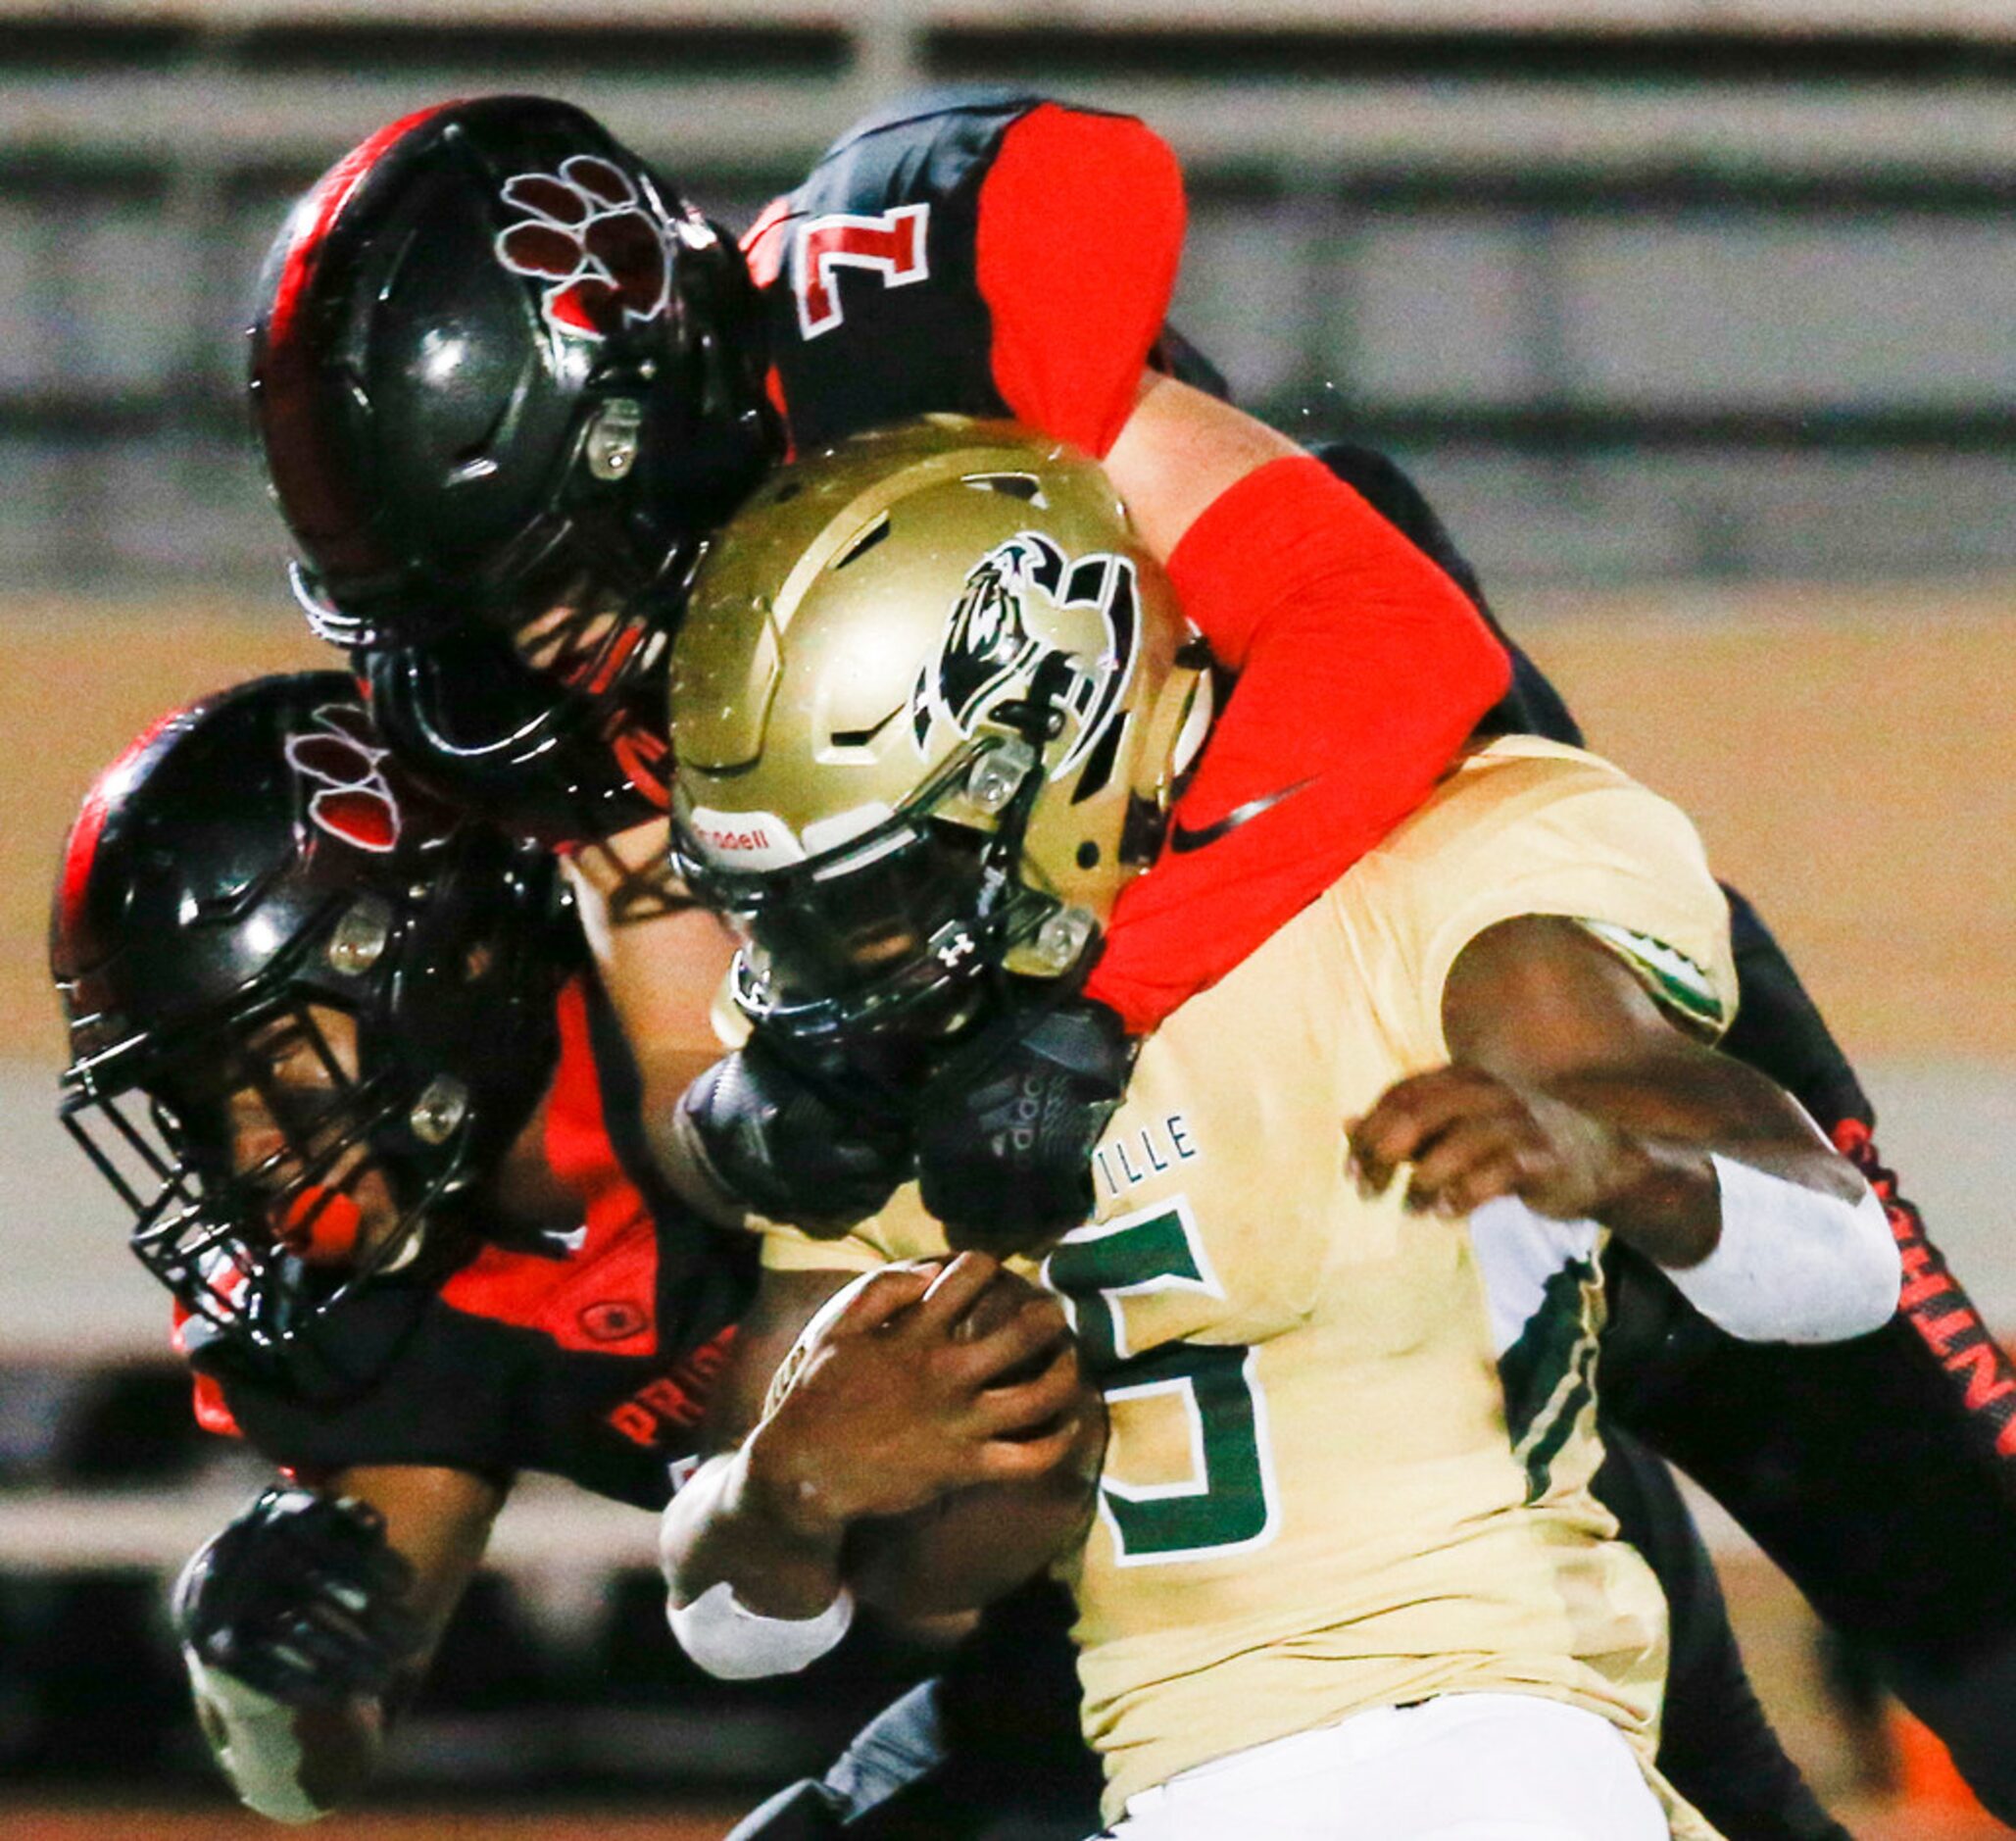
587, 1353
1352, 1446
1011, 256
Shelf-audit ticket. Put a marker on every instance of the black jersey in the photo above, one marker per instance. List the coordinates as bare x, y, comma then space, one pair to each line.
985, 256
587, 1354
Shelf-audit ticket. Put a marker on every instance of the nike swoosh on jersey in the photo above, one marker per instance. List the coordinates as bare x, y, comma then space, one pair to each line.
1183, 840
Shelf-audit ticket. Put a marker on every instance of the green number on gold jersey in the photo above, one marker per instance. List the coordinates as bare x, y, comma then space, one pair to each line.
1227, 1501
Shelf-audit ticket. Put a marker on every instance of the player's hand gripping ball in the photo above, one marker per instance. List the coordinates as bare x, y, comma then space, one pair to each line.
973, 1466
992, 1310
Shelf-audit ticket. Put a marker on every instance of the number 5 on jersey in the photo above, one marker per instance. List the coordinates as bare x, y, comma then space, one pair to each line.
1227, 1503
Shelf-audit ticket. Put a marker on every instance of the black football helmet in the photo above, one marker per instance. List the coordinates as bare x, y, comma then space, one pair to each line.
249, 867
466, 714
494, 349
499, 368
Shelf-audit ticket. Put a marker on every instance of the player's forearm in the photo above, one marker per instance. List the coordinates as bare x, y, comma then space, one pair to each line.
1665, 1200
736, 1522
1362, 670
1669, 1114
1570, 1088
1720, 1179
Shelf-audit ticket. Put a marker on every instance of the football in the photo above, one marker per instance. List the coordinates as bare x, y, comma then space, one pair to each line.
970, 1547
1006, 1294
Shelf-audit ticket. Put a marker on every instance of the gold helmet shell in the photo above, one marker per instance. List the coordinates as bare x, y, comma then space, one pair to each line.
927, 712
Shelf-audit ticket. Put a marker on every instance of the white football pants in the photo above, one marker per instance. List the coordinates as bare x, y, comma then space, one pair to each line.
1458, 1767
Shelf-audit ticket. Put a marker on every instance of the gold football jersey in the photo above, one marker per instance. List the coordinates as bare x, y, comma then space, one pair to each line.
1350, 1445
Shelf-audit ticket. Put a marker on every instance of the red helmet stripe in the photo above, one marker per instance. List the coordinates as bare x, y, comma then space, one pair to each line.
318, 212
317, 503
81, 851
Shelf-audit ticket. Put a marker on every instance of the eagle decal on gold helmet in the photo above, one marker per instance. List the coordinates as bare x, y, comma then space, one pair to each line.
988, 652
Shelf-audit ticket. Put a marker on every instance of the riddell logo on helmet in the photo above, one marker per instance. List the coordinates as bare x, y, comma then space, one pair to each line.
746, 840
604, 246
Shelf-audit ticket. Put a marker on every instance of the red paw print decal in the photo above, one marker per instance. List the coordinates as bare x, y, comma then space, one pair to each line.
359, 793
603, 246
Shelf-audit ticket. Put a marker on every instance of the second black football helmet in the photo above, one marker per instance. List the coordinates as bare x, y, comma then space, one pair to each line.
497, 359
251, 871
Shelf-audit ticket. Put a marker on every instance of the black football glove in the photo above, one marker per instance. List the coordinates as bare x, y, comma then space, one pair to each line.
1004, 1140
788, 1145
301, 1598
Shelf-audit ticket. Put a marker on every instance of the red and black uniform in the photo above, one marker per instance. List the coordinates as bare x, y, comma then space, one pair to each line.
586, 1354
1010, 256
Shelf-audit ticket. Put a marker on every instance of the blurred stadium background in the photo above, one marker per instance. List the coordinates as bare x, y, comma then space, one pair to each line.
1696, 318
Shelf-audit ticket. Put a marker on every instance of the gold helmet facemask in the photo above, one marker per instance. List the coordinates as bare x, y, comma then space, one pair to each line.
929, 704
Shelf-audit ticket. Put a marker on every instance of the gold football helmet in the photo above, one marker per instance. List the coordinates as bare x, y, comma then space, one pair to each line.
929, 707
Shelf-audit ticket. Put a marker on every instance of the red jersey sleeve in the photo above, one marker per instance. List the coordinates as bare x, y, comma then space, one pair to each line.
1362, 669
1080, 231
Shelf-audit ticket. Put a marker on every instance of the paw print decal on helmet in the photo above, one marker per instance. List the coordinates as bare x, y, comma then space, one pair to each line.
358, 793
604, 246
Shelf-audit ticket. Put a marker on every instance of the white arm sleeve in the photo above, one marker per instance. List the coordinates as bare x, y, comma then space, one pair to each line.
729, 1640
252, 1736
1794, 1264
